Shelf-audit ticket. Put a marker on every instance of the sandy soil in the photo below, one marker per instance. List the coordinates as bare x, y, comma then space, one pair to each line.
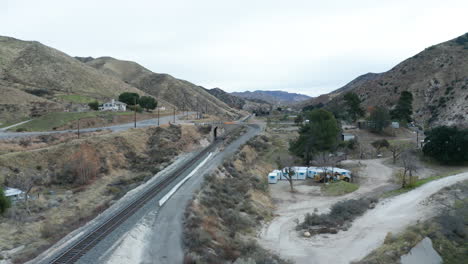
366, 233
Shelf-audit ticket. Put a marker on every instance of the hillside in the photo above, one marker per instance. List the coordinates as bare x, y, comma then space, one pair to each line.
273, 97
33, 77
229, 99
36, 79
183, 94
437, 77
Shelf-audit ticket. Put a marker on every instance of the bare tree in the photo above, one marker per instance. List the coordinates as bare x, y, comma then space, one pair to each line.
410, 167
397, 149
285, 163
26, 181
325, 160
84, 165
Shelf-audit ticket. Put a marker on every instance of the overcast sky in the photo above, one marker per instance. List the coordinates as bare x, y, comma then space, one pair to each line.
309, 47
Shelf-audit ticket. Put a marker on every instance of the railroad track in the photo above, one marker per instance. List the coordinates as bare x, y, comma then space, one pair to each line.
87, 242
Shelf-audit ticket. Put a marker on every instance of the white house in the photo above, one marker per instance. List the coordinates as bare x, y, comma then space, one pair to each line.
14, 194
347, 137
113, 106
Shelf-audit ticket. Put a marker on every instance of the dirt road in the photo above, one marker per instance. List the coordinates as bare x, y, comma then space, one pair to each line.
366, 233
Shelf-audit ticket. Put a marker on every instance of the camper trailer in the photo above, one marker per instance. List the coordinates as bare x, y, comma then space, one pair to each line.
316, 173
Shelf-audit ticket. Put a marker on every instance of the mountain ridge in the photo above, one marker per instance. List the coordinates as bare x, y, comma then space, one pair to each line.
273, 97
437, 77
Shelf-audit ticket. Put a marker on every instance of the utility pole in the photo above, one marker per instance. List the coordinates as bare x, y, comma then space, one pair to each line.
417, 137
174, 114
134, 115
78, 128
158, 116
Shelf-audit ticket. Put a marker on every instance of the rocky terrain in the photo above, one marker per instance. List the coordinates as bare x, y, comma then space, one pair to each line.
437, 77
273, 97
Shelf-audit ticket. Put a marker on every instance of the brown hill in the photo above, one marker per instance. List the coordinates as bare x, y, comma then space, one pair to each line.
183, 94
34, 76
35, 79
437, 77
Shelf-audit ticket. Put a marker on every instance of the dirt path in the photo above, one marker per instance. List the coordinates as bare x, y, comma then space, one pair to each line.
366, 233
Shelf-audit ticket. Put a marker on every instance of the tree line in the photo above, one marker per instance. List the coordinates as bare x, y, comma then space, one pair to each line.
133, 100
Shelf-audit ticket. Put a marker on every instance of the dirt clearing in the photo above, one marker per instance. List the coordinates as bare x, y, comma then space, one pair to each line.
367, 232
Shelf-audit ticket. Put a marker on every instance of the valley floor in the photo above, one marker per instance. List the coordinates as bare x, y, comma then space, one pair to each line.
366, 233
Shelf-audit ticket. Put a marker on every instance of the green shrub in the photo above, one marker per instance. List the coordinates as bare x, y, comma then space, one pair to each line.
5, 202
340, 213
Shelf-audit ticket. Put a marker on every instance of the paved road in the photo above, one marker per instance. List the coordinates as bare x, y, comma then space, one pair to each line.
143, 123
165, 242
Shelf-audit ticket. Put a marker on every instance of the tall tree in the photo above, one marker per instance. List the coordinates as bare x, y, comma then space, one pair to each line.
129, 98
404, 108
94, 105
148, 102
320, 134
4, 201
447, 144
353, 106
379, 119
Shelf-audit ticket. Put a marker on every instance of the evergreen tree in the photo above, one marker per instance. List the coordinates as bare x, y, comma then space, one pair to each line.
353, 106
447, 144
129, 98
379, 119
404, 107
319, 135
94, 105
4, 201
148, 102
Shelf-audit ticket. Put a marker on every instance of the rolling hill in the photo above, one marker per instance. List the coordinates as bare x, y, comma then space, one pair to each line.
183, 94
35, 79
437, 77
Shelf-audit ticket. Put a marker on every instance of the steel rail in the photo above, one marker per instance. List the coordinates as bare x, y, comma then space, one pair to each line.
79, 248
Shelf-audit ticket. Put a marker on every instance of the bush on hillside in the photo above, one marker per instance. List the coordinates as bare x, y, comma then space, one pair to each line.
4, 201
447, 144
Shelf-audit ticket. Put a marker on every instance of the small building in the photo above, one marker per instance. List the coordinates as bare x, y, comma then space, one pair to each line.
14, 194
347, 137
272, 177
113, 105
395, 125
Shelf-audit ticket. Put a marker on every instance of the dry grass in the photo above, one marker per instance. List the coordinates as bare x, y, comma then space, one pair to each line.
64, 206
228, 209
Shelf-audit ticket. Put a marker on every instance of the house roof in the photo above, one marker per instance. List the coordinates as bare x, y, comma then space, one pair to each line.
12, 191
115, 102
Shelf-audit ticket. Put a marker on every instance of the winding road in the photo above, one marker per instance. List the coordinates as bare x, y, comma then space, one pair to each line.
4, 134
153, 234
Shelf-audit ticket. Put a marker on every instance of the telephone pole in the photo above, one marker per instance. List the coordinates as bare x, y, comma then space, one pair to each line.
78, 128
158, 116
134, 115
174, 114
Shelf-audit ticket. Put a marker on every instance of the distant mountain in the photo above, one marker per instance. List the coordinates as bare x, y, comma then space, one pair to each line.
231, 100
437, 77
183, 94
273, 97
